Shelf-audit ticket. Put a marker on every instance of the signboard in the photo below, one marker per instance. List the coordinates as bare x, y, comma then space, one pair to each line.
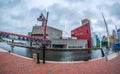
104, 43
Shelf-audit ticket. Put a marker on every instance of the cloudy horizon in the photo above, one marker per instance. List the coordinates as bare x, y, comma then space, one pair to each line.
19, 16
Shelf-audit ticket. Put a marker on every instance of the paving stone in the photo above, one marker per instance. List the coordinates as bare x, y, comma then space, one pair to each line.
12, 64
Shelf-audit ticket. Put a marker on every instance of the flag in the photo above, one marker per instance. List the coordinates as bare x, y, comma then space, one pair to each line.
43, 27
44, 24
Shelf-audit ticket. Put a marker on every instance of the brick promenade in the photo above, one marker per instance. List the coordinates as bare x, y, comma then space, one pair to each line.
12, 64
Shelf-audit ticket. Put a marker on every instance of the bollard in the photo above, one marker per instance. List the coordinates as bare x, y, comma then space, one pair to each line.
38, 61
35, 57
9, 51
102, 52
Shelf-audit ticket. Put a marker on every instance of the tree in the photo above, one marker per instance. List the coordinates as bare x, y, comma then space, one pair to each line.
1, 40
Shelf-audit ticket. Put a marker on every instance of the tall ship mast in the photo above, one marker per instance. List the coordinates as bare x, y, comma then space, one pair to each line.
106, 29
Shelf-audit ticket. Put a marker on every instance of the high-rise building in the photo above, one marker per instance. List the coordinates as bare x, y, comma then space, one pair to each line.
94, 42
118, 31
114, 35
95, 39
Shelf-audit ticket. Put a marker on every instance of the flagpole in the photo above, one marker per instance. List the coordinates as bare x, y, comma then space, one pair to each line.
43, 28
44, 43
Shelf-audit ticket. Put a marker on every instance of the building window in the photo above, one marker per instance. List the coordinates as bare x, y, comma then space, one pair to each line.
75, 47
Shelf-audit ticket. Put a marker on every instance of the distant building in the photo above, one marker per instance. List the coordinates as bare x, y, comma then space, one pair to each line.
111, 40
118, 31
83, 32
58, 41
94, 42
114, 36
95, 39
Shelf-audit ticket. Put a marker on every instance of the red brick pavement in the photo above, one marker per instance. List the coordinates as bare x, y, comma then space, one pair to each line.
11, 64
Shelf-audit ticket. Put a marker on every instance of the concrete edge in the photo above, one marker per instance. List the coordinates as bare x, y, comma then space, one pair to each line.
2, 50
76, 61
97, 59
21, 56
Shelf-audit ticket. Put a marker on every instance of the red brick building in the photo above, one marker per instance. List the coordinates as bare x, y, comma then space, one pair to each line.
83, 32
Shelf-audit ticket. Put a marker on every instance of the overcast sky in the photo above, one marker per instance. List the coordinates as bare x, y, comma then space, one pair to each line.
19, 16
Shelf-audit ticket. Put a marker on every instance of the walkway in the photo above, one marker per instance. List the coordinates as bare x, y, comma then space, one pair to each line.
12, 64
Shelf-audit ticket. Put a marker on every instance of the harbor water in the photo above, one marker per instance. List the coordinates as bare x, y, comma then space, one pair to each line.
53, 55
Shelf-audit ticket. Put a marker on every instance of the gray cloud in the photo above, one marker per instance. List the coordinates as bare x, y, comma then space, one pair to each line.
89, 14
18, 14
18, 17
115, 10
63, 13
9, 3
76, 1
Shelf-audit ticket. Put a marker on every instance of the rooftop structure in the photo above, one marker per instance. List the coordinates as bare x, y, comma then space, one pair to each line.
85, 21
50, 31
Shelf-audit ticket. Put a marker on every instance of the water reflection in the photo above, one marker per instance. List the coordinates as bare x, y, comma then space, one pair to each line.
12, 48
53, 55
69, 56
96, 54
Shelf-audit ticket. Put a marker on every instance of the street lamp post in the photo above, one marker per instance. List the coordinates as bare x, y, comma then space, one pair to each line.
44, 24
